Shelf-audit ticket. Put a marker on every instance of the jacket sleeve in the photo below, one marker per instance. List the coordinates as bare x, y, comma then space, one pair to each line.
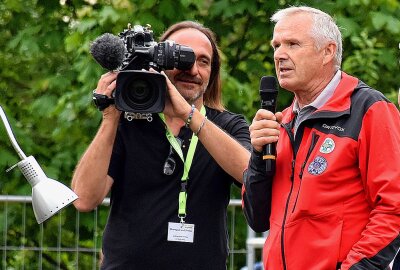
379, 164
256, 194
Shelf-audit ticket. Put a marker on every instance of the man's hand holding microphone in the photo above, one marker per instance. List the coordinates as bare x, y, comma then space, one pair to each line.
264, 130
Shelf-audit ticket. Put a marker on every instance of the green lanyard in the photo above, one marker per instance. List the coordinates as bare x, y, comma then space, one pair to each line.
186, 163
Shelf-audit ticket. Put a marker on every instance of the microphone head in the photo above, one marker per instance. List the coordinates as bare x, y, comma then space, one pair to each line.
268, 93
108, 50
268, 84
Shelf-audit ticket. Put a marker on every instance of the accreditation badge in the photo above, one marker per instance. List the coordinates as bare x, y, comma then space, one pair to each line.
180, 232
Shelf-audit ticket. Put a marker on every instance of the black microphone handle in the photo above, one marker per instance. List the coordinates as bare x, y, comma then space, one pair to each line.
268, 95
270, 158
269, 150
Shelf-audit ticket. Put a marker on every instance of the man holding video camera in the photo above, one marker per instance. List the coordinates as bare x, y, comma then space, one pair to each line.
169, 178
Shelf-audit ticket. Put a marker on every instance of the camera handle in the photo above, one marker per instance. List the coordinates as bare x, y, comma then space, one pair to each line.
102, 101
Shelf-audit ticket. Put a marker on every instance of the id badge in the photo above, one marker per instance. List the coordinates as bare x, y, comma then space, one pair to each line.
180, 232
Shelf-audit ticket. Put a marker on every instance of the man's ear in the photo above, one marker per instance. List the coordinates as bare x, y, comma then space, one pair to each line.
329, 52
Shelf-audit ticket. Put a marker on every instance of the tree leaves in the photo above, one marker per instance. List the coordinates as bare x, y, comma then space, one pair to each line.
47, 73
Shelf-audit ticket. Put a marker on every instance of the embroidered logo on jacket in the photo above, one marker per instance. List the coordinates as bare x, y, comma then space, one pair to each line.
327, 146
333, 127
317, 166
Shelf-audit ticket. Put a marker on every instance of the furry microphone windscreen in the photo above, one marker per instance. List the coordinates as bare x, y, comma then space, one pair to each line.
108, 50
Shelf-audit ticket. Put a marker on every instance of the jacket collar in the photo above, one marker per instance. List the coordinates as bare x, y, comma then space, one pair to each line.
339, 102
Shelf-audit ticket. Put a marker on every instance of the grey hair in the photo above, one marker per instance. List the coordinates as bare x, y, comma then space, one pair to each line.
324, 28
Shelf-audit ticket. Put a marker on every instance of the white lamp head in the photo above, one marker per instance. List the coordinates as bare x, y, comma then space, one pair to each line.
48, 196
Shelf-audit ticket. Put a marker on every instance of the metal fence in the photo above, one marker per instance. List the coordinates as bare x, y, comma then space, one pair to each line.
72, 240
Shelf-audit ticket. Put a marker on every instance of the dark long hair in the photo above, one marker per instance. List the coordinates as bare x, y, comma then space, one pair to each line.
212, 95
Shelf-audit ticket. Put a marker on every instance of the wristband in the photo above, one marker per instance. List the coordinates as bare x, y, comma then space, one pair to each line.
189, 119
201, 126
101, 101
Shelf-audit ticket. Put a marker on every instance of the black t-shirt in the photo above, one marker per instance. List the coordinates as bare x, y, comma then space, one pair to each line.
144, 199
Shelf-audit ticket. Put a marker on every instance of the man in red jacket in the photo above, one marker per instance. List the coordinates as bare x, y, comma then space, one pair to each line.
334, 200
396, 264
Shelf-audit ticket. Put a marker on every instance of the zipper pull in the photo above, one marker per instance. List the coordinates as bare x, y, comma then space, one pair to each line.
302, 169
292, 174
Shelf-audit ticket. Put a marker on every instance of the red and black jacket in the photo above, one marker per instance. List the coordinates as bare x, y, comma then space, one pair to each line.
334, 202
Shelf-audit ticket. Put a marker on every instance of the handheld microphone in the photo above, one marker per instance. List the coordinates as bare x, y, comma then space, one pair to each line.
108, 50
268, 95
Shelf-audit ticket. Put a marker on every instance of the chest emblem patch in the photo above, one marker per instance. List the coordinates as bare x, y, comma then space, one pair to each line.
327, 146
317, 166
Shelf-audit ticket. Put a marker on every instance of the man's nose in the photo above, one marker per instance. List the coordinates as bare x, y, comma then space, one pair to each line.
280, 53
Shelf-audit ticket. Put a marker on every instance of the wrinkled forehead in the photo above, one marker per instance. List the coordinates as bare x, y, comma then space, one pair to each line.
294, 25
297, 21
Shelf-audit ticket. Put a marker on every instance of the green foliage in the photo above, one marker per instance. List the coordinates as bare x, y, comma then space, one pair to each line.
47, 73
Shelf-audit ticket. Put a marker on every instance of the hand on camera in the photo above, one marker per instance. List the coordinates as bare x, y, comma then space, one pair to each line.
105, 86
175, 104
107, 83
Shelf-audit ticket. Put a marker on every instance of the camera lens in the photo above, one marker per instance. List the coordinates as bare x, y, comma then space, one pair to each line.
170, 55
140, 91
139, 94
184, 57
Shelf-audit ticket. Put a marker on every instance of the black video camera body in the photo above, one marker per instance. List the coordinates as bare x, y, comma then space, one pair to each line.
139, 90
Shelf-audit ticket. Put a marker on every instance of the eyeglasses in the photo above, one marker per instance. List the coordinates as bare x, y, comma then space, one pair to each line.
170, 163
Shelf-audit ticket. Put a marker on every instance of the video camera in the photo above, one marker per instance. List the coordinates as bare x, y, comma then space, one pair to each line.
139, 90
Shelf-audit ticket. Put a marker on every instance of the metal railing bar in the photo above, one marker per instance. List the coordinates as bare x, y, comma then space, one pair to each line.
5, 234
41, 235
231, 238
238, 251
59, 241
106, 201
94, 258
23, 233
77, 240
49, 249
76, 249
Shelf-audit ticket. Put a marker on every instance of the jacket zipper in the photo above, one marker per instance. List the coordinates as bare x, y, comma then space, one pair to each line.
292, 142
291, 137
314, 140
283, 227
